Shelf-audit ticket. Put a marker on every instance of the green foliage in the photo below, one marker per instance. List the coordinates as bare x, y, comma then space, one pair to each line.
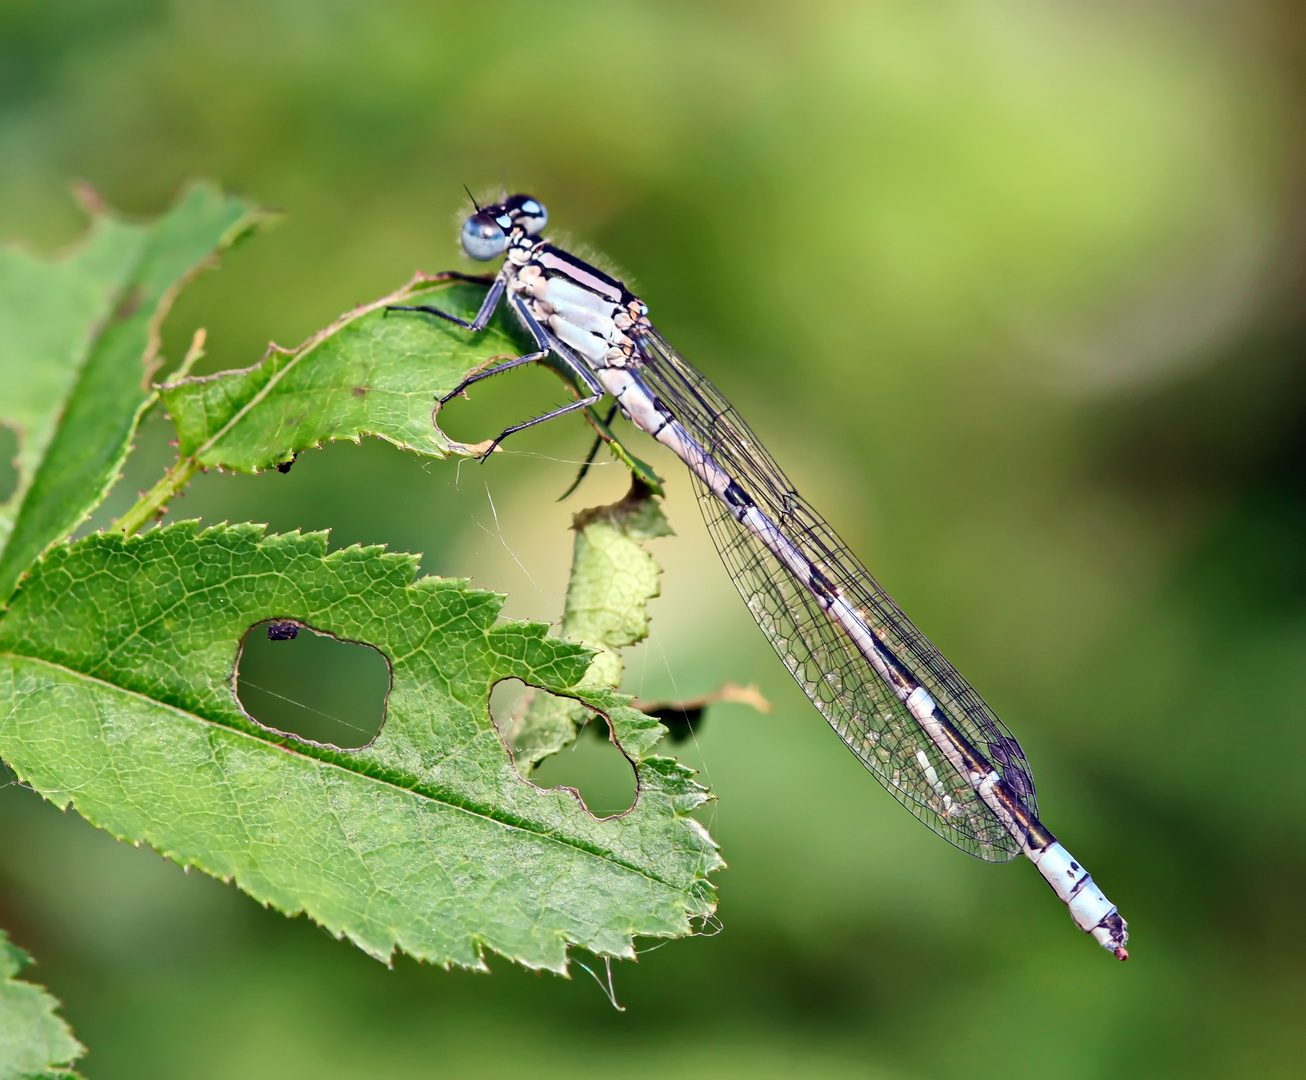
612, 579
371, 372
78, 344
119, 654
117, 686
35, 1044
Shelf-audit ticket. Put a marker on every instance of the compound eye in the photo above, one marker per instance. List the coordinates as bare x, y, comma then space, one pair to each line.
530, 213
483, 238
533, 216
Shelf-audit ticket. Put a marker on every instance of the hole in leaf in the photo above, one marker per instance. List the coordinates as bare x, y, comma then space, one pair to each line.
491, 405
592, 765
296, 680
8, 471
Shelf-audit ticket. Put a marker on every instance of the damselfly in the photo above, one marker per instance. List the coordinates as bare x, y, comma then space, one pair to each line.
893, 699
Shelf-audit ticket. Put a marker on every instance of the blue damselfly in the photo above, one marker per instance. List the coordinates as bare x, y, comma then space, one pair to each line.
893, 699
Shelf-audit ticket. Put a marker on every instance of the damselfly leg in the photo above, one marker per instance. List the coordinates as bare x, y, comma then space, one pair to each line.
482, 318
582, 375
553, 414
594, 452
477, 376
575, 374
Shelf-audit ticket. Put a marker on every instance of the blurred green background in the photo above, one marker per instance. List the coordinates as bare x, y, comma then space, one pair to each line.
1013, 288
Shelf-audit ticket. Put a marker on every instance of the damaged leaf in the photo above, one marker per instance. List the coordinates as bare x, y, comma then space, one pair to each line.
681, 718
613, 577
35, 1043
79, 339
117, 666
371, 372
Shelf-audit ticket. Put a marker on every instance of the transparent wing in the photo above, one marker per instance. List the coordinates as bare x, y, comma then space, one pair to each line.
869, 718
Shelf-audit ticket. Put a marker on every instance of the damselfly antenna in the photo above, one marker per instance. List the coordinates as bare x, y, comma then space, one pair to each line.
472, 197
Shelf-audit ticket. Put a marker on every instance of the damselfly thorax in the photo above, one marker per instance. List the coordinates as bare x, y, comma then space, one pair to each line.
589, 312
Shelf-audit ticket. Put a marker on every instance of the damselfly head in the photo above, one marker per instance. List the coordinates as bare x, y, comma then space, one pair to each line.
487, 232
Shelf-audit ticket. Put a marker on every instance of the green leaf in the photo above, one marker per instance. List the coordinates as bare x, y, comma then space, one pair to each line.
371, 372
78, 343
35, 1044
117, 694
613, 578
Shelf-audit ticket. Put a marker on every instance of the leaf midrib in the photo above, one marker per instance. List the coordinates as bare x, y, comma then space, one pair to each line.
420, 283
389, 777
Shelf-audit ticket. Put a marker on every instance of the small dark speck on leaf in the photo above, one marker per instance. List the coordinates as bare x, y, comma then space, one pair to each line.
359, 391
284, 467
283, 631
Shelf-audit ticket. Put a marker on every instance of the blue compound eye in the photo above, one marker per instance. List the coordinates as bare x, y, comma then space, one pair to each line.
483, 238
529, 213
533, 216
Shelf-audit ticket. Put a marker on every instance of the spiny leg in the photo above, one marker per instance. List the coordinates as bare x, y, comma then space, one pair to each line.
482, 319
477, 376
594, 451
478, 324
548, 344
545, 345
571, 406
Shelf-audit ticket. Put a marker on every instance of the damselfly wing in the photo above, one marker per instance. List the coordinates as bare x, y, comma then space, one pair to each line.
871, 720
